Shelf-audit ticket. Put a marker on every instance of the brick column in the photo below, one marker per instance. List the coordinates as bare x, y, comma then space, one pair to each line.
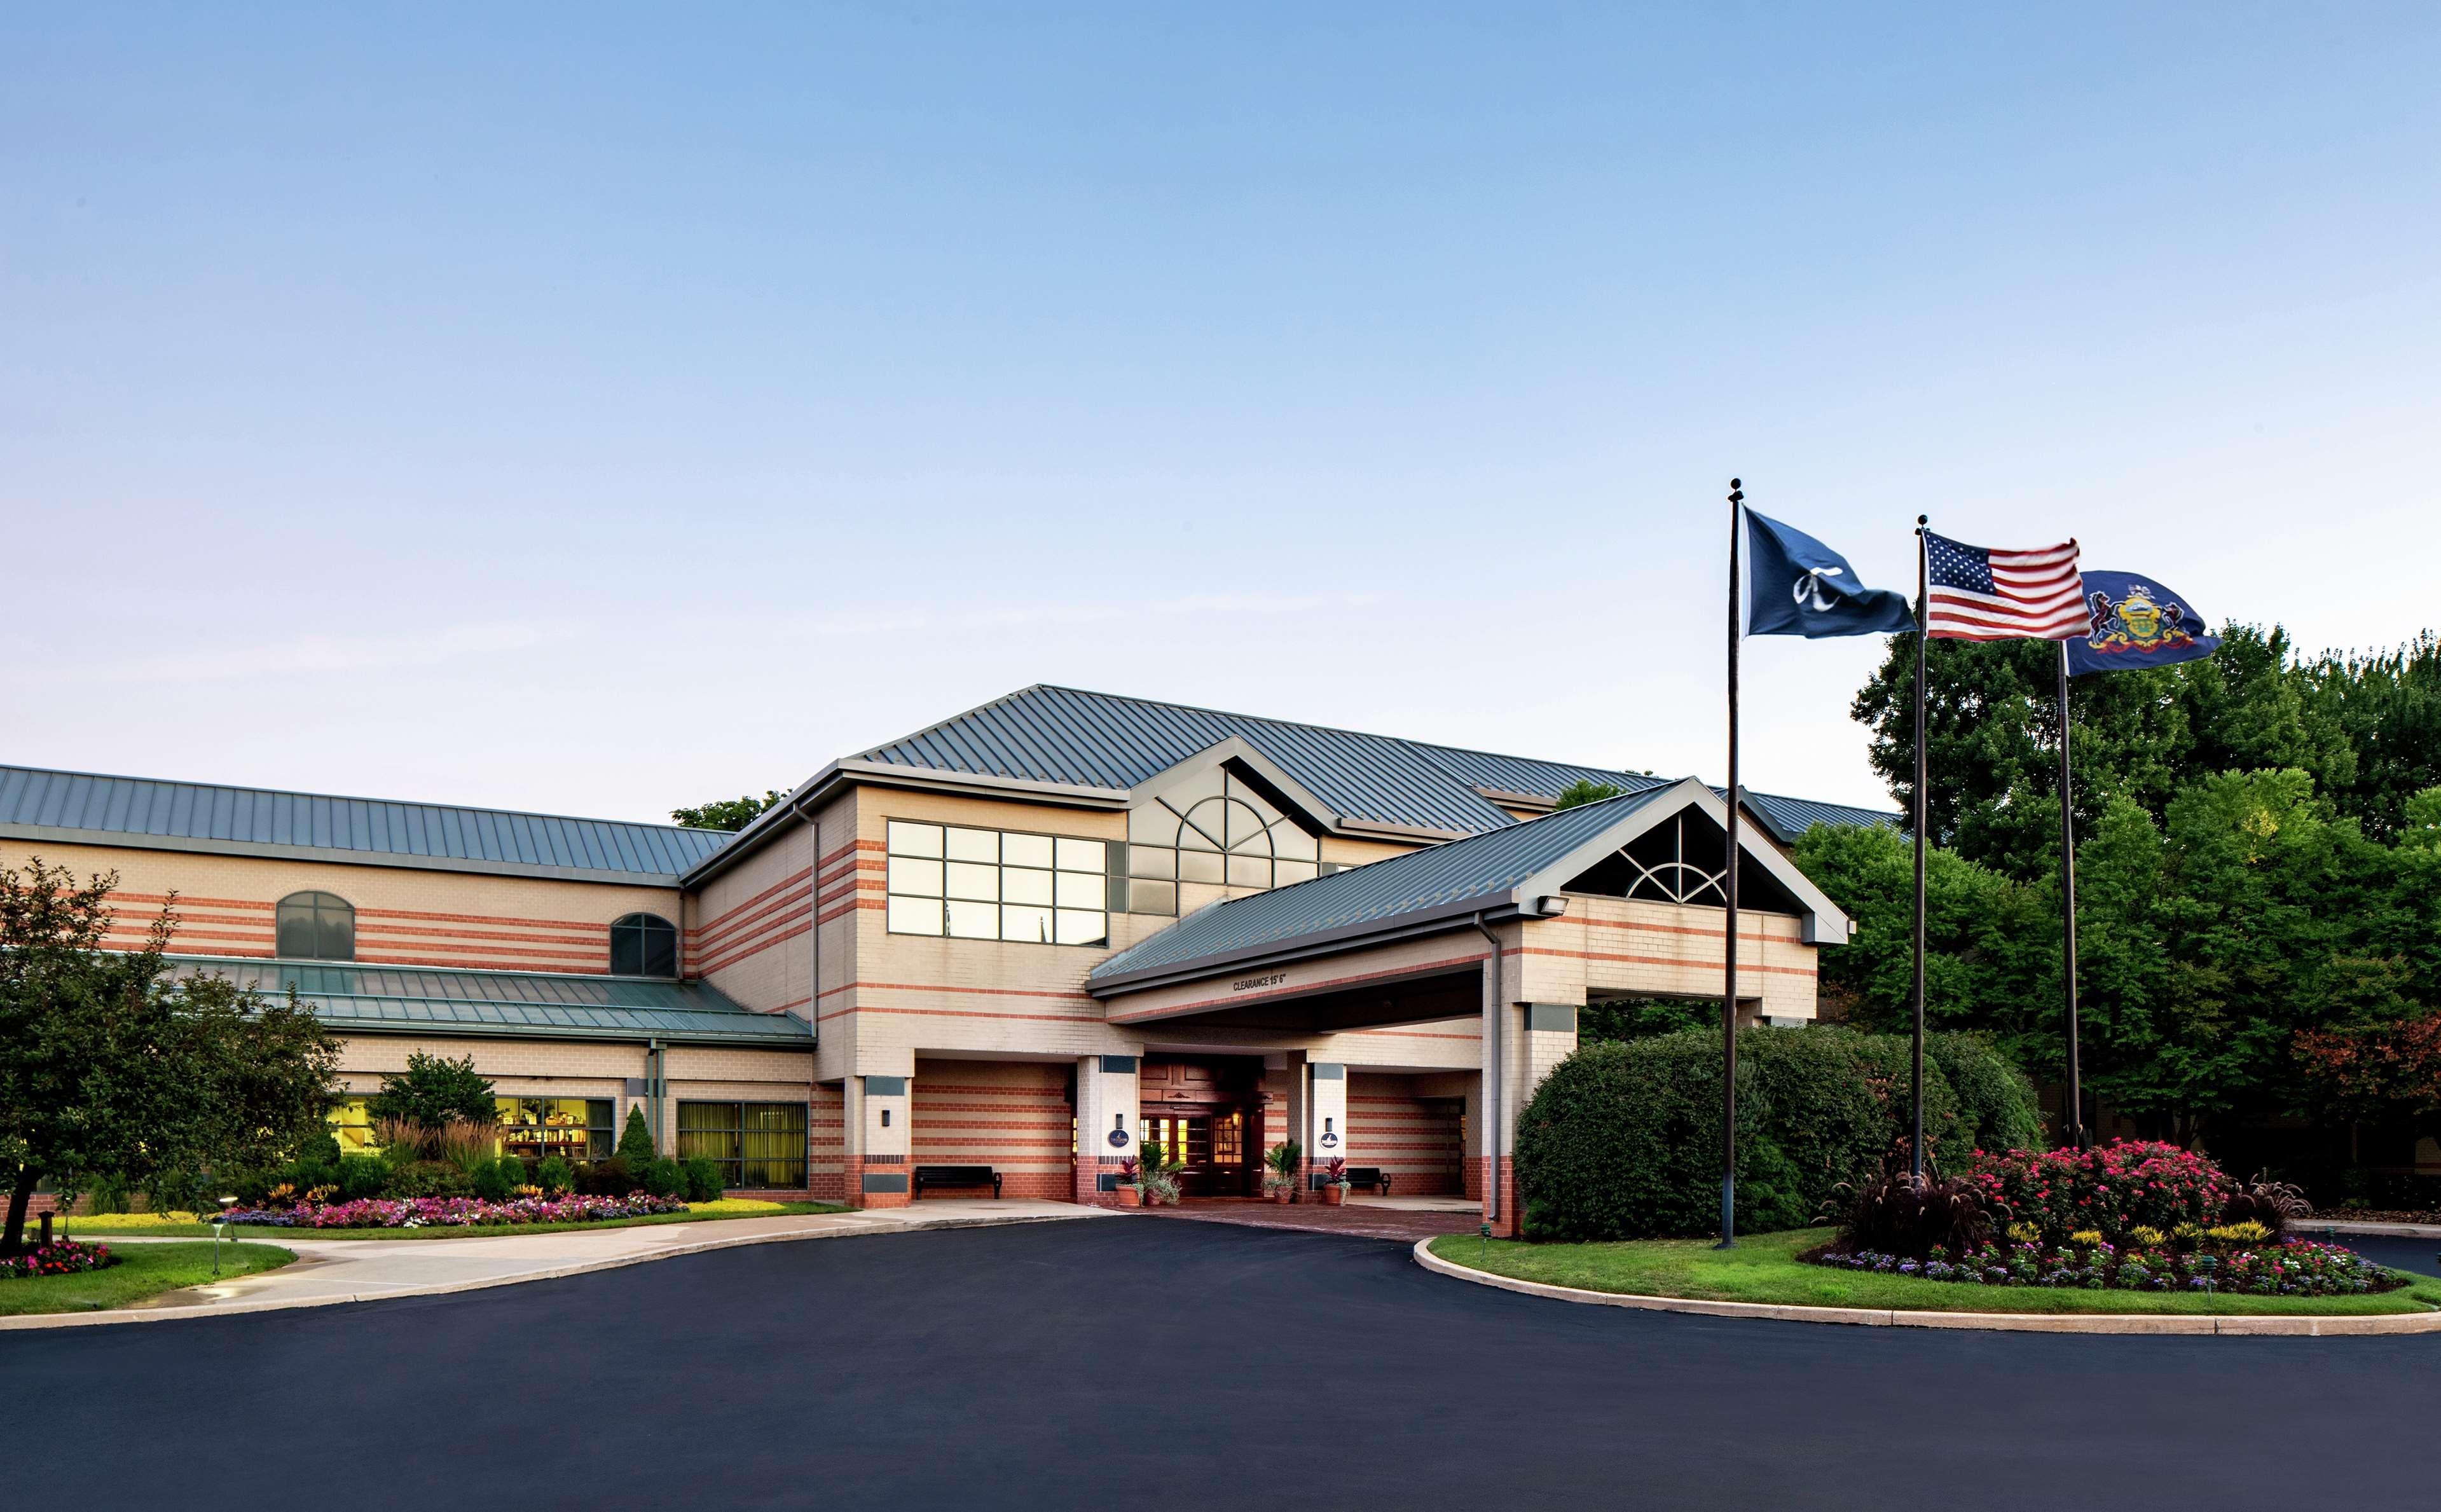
1107, 1104
1327, 1116
878, 1142
1540, 1035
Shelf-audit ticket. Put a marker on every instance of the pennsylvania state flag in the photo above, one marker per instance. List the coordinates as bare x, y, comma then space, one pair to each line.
1797, 586
2135, 621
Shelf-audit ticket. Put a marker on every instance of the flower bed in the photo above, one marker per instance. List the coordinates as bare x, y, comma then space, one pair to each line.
60, 1258
456, 1212
2296, 1269
2113, 1189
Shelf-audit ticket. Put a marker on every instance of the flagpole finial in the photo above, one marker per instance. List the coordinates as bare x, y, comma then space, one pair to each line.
1737, 492
1922, 520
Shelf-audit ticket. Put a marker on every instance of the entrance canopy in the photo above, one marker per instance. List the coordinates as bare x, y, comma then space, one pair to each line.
1662, 846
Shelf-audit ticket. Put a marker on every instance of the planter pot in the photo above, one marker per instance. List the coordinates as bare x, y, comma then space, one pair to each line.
1281, 1197
1129, 1196
1333, 1195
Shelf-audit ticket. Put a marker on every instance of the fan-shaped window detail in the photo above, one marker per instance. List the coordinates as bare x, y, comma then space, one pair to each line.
316, 927
643, 945
1214, 830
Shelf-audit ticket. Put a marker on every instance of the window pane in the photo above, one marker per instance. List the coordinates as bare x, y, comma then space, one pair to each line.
660, 949
914, 839
1153, 897
974, 845
1081, 856
297, 935
915, 916
915, 879
1246, 827
336, 932
1081, 927
1285, 872
974, 921
1026, 850
1025, 924
626, 950
1146, 860
1152, 825
1206, 825
1198, 866
1024, 887
1250, 870
972, 879
1287, 839
597, 1129
1079, 890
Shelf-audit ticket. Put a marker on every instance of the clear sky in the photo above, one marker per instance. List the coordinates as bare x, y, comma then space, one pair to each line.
599, 408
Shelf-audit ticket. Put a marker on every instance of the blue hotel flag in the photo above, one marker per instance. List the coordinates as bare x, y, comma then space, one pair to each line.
2135, 621
1801, 588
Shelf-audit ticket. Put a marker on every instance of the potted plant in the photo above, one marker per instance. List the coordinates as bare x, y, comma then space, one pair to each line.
1129, 1195
1157, 1178
1282, 1162
1334, 1183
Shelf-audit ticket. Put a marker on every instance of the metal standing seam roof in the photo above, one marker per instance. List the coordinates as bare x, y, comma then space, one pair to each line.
1479, 867
360, 1000
79, 807
1052, 734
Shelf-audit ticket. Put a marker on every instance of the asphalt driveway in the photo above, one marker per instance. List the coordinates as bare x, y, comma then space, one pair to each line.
1155, 1364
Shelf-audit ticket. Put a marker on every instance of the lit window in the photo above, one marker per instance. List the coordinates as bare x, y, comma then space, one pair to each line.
643, 945
970, 884
574, 1129
757, 1144
352, 1124
316, 927
1217, 831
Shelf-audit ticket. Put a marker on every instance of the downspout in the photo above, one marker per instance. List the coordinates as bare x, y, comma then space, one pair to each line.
653, 1086
1493, 1013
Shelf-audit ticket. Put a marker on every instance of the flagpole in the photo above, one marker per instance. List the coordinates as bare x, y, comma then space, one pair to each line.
1729, 888
1922, 623
2073, 1125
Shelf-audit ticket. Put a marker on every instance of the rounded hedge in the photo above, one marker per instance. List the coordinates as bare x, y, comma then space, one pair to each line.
1623, 1140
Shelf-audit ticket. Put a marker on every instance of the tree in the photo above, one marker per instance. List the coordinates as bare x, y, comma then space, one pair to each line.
110, 1066
728, 813
1585, 790
435, 1091
635, 1140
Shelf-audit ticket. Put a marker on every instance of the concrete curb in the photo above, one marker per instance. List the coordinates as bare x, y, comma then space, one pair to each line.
224, 1309
2377, 1231
2028, 1322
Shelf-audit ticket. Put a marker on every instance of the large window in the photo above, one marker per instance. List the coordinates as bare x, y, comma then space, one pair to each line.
1216, 829
574, 1129
757, 1144
998, 885
643, 945
316, 927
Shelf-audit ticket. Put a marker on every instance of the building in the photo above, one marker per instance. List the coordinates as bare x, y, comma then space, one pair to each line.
1032, 937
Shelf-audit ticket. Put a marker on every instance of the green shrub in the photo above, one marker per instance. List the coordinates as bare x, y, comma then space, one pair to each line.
109, 1194
436, 1092
665, 1178
494, 1180
422, 1179
703, 1179
1623, 1140
610, 1177
362, 1176
554, 1175
635, 1140
322, 1149
1995, 1100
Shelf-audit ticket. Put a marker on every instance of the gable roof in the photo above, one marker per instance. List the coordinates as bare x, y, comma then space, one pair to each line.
82, 808
1502, 870
1076, 738
439, 1001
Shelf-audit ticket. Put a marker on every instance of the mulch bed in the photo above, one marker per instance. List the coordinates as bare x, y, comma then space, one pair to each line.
1370, 1223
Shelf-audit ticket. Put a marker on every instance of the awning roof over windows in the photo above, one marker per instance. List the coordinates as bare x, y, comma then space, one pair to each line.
524, 1005
1507, 871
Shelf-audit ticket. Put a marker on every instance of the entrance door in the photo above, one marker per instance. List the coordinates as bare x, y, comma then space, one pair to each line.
1198, 1113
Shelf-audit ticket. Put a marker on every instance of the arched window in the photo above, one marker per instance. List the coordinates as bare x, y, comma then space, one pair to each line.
1213, 829
643, 945
316, 927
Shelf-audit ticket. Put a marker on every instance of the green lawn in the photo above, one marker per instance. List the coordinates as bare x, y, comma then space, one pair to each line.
99, 1227
143, 1270
1764, 1269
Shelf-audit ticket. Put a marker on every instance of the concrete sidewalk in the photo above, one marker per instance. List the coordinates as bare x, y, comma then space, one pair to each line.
329, 1272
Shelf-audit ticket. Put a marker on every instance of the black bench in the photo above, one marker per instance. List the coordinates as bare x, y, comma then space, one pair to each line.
956, 1176
1370, 1177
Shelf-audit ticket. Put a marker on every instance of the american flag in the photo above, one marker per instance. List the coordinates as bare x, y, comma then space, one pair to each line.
1980, 594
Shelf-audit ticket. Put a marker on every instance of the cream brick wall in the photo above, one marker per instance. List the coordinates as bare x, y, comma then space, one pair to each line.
748, 927
1615, 946
404, 915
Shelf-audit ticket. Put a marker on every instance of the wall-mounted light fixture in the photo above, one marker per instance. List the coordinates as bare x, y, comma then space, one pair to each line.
885, 1118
